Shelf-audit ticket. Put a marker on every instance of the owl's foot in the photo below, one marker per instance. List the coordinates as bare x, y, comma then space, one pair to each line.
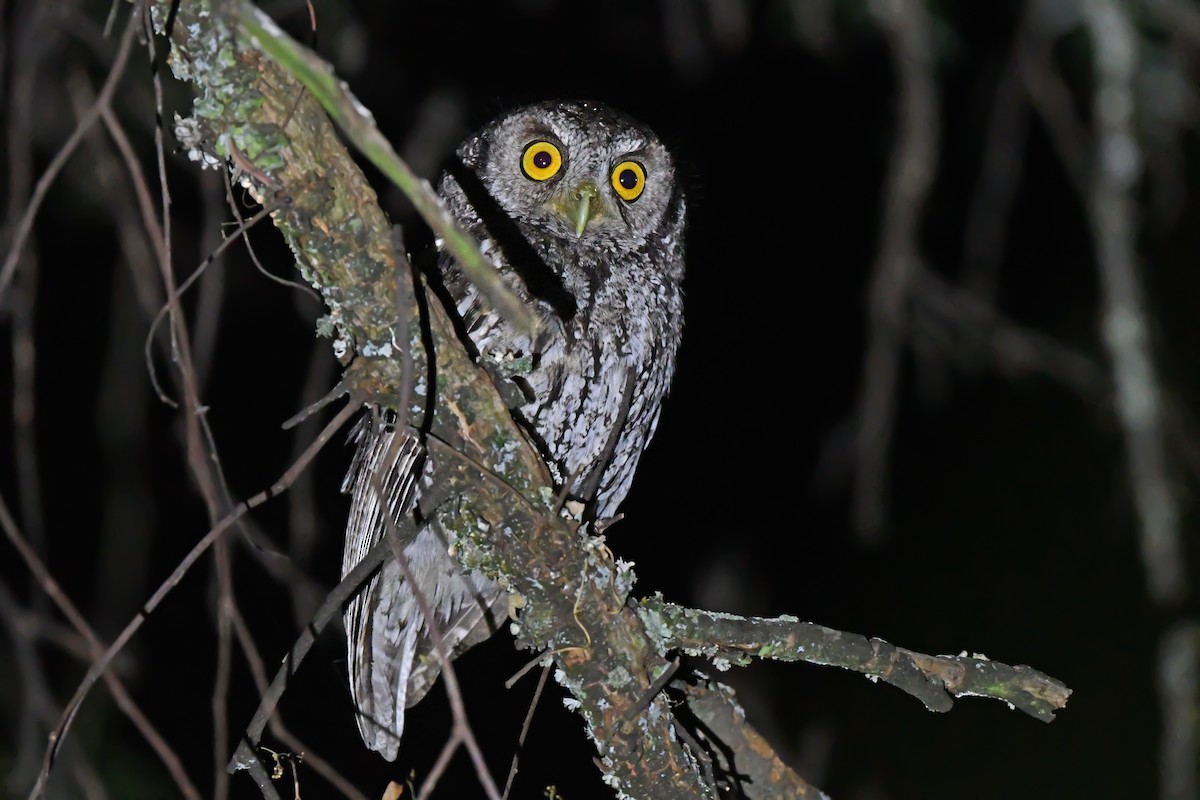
515, 603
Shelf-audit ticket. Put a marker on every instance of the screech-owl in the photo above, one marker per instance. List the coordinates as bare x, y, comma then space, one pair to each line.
579, 209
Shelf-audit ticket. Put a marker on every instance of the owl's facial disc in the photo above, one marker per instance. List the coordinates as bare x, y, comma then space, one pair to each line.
575, 171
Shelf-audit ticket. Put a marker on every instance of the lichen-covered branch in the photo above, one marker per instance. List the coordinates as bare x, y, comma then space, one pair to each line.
497, 496
359, 126
746, 760
934, 680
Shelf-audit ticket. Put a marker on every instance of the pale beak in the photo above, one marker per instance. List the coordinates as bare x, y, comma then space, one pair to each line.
585, 197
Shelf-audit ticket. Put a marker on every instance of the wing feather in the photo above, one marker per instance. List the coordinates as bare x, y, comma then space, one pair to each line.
390, 653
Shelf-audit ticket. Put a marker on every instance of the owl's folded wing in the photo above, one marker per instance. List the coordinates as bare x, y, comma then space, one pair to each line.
380, 646
391, 657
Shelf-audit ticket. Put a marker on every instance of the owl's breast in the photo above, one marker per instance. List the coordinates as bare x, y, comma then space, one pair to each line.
599, 384
590, 385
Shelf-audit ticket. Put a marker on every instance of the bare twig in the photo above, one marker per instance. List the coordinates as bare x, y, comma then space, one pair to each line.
275, 723
1013, 348
440, 763
38, 708
254, 259
100, 665
246, 754
533, 704
96, 650
1051, 98
1001, 171
103, 99
1125, 325
174, 295
226, 605
29, 24
909, 178
302, 510
210, 294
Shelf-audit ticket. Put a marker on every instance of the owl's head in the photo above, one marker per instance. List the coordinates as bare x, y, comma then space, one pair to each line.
577, 170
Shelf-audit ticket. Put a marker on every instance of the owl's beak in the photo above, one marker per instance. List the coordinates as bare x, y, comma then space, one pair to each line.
585, 198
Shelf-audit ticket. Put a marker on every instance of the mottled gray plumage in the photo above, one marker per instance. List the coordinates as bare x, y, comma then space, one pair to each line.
579, 209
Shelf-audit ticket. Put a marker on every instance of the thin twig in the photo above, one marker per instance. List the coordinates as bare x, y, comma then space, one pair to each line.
440, 763
1014, 348
245, 756
38, 707
210, 295
910, 175
275, 721
100, 665
533, 704
220, 693
523, 671
96, 650
173, 297
1001, 172
32, 45
103, 99
1050, 96
302, 509
254, 259
23, 308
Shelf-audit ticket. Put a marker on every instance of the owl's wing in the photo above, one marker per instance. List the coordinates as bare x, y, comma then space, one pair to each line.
391, 657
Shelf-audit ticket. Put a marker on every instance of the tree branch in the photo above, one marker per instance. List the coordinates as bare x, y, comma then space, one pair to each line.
934, 680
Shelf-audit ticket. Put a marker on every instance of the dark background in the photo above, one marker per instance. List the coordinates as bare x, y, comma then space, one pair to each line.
1009, 529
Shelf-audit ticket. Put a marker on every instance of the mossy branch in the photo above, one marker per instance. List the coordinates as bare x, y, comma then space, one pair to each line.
358, 125
739, 751
934, 680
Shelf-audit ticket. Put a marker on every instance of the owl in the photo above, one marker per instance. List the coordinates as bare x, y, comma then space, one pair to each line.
579, 209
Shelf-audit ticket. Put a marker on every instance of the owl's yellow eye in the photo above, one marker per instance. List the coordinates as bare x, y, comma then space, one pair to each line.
541, 161
628, 180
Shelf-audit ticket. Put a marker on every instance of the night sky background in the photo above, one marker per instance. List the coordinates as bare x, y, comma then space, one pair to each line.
1009, 530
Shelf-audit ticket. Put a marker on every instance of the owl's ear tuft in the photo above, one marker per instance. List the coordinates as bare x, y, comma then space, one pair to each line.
471, 152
